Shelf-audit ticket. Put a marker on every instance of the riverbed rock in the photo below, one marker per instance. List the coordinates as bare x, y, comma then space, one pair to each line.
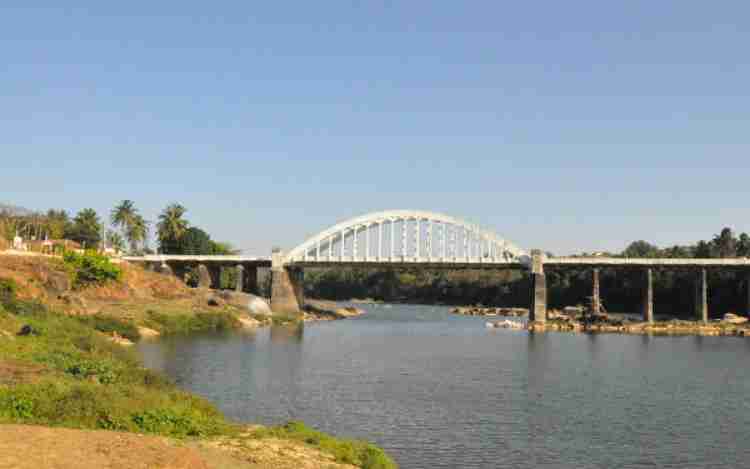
734, 319
148, 333
254, 304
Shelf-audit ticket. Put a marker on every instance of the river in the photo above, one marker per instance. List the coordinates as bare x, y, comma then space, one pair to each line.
441, 391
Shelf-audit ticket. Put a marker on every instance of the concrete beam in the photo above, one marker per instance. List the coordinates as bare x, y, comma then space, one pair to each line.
648, 296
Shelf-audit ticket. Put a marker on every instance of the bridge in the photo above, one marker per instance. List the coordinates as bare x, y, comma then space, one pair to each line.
410, 238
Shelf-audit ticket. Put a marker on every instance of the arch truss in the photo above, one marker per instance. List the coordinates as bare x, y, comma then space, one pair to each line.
406, 237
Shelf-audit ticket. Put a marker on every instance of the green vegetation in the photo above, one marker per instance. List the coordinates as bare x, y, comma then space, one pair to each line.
109, 324
358, 453
90, 268
82, 380
198, 322
64, 373
134, 227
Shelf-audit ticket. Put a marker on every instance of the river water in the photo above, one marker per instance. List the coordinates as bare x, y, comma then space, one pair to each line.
442, 391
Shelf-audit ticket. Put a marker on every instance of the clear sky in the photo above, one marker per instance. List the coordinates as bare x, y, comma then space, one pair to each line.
567, 126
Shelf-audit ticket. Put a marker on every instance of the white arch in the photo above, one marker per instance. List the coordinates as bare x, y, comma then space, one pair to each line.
498, 250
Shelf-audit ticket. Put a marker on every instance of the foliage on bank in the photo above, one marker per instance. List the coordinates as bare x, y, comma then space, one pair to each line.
82, 380
90, 268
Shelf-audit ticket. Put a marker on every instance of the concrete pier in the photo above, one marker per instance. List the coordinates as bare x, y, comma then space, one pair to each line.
596, 299
701, 295
648, 296
287, 291
204, 276
538, 310
240, 280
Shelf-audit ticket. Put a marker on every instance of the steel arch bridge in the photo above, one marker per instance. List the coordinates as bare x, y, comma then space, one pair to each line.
405, 237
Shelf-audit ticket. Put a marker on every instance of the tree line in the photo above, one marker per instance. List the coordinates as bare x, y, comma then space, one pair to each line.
621, 289
128, 231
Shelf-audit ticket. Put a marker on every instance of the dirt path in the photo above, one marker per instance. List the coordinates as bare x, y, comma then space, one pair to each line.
29, 447
32, 447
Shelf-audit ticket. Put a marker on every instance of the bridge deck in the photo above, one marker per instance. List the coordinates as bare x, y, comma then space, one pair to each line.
645, 262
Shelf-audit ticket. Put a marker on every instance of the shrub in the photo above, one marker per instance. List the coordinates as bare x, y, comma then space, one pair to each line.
109, 324
185, 324
8, 288
90, 268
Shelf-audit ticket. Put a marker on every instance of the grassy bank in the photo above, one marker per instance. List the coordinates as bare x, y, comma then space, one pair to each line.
58, 370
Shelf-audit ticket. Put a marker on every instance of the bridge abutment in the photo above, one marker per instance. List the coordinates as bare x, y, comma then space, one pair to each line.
538, 309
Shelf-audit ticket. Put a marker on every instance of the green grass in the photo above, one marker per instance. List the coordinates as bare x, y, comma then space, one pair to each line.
88, 382
358, 453
170, 324
109, 324
79, 379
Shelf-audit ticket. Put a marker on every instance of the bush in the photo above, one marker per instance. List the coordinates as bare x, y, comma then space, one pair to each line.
8, 288
90, 268
109, 324
186, 324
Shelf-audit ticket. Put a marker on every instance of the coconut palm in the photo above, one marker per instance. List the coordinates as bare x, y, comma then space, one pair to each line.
133, 226
171, 227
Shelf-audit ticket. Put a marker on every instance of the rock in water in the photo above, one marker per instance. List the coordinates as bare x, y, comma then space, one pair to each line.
734, 319
257, 305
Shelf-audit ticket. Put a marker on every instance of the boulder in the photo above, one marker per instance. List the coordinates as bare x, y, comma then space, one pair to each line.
27, 330
734, 319
253, 303
58, 282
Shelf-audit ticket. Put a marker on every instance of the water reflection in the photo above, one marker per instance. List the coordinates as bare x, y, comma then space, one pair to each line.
441, 391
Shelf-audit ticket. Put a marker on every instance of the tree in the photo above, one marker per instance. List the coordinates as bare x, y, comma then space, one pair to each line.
703, 250
57, 223
86, 229
640, 249
133, 226
195, 242
171, 227
743, 245
725, 244
115, 240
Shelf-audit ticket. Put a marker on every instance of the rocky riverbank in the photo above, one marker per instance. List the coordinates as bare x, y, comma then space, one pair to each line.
730, 325
483, 311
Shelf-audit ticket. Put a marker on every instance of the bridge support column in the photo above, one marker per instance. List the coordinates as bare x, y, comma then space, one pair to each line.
287, 295
287, 291
251, 280
747, 305
240, 285
648, 296
701, 295
538, 310
596, 299
204, 276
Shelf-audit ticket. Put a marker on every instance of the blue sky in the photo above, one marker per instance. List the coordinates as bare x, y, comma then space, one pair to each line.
567, 126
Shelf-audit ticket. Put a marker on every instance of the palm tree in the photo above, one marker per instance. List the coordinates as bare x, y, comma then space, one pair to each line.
115, 241
171, 227
138, 232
